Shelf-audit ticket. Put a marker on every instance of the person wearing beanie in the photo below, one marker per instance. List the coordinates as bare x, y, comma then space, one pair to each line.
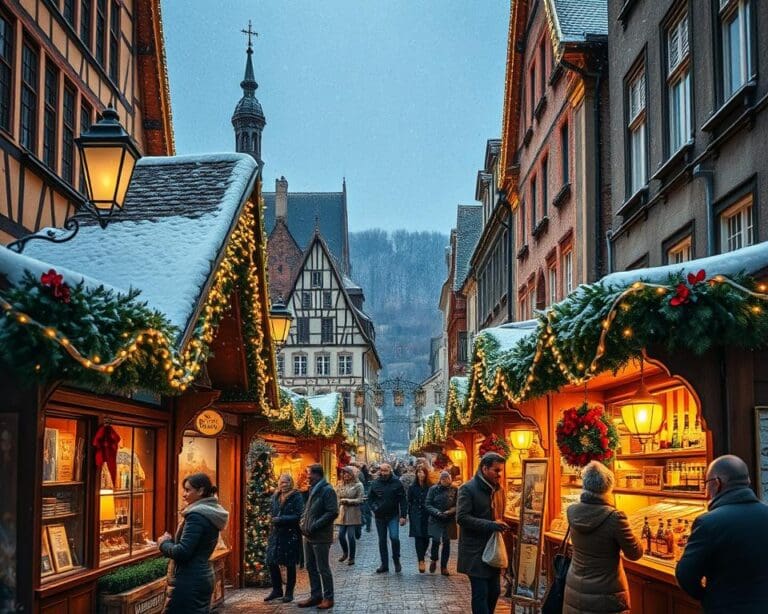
441, 505
599, 533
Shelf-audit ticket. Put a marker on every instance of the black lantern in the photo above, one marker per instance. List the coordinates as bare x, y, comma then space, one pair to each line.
420, 397
398, 396
109, 156
280, 318
378, 397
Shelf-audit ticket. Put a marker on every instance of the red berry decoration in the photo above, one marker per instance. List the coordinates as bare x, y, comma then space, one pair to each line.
585, 434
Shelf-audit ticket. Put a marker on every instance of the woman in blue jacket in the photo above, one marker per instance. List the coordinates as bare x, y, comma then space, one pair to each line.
284, 543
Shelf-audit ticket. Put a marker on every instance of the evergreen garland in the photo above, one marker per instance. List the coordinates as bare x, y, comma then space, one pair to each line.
261, 484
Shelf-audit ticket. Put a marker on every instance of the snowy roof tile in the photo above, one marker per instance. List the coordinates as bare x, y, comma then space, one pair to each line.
580, 20
509, 335
178, 214
305, 210
469, 227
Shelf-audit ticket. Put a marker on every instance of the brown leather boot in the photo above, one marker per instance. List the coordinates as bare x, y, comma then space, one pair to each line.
422, 566
308, 603
325, 604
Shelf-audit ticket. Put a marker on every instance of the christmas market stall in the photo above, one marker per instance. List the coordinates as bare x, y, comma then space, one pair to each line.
121, 345
654, 372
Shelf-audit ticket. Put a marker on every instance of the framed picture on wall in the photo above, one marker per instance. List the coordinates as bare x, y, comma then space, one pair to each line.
59, 548
533, 500
761, 437
46, 564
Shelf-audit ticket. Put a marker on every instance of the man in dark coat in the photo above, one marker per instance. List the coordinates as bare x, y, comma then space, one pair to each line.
480, 503
441, 506
725, 563
388, 503
317, 527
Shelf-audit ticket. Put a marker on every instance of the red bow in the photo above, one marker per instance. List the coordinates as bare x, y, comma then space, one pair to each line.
55, 283
697, 278
682, 295
106, 441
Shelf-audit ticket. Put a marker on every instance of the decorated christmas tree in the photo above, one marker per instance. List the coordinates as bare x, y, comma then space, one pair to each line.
261, 485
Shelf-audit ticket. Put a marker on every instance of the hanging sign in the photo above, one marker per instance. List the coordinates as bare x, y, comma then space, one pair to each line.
209, 422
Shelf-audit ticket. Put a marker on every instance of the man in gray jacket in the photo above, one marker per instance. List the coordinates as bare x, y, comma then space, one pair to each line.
317, 527
479, 510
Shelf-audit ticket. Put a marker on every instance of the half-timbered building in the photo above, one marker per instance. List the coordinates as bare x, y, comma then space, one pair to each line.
61, 63
331, 346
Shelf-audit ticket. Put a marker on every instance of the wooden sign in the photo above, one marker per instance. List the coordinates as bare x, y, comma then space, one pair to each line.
528, 560
209, 422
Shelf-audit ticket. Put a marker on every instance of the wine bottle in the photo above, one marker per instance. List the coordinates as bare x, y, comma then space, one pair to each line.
686, 441
669, 538
675, 433
660, 542
664, 439
646, 536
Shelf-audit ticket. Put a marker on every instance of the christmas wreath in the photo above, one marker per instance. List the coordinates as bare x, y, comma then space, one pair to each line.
441, 462
585, 434
496, 444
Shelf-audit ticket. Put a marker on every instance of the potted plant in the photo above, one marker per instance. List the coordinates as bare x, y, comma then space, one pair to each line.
134, 588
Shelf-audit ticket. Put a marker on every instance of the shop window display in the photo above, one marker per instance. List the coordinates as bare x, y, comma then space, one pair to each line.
126, 515
63, 496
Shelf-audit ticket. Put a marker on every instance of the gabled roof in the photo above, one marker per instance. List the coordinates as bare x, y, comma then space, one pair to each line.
360, 316
469, 226
308, 210
179, 214
578, 21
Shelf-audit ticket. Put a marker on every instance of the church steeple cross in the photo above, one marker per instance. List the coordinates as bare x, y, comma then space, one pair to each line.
250, 33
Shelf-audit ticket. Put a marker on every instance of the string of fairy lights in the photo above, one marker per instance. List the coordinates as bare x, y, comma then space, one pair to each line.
436, 428
181, 368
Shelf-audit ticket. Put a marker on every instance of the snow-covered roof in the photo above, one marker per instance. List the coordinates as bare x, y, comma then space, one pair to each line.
751, 260
509, 335
178, 214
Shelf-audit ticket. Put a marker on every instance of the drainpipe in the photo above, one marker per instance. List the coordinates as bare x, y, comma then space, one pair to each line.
709, 190
598, 77
609, 250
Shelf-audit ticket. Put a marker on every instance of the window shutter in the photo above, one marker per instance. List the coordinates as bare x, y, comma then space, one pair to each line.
674, 47
684, 48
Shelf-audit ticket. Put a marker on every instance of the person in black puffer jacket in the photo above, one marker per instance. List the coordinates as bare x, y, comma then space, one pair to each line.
190, 575
284, 544
387, 501
418, 516
441, 505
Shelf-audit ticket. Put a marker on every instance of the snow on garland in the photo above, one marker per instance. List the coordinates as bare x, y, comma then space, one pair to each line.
585, 434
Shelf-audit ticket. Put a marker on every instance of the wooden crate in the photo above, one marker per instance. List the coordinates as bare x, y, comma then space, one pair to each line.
145, 599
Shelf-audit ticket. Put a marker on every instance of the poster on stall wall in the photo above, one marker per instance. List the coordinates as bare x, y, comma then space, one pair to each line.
761, 431
50, 445
65, 457
527, 564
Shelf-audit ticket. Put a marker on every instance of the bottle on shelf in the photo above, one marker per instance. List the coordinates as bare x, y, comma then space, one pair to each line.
660, 542
664, 437
673, 474
646, 536
686, 439
669, 538
697, 433
675, 443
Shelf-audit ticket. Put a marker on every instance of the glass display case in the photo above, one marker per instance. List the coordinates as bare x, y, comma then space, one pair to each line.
63, 496
126, 508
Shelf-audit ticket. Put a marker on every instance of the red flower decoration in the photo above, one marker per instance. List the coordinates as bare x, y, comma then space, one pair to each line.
585, 434
696, 279
682, 295
56, 285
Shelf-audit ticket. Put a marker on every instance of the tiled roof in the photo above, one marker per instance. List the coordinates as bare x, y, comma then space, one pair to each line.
304, 208
469, 226
579, 20
179, 213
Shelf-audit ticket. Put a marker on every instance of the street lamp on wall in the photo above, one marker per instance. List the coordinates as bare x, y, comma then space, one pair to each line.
642, 414
108, 156
280, 318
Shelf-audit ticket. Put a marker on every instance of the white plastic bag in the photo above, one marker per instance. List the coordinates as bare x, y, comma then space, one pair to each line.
495, 553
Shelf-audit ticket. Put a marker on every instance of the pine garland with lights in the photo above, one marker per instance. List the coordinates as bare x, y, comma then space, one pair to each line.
261, 484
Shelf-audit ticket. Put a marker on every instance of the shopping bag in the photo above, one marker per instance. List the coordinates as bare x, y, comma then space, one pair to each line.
495, 553
553, 603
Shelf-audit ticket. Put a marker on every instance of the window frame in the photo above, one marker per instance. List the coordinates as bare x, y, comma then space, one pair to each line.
86, 23
544, 184
552, 281
565, 152
747, 223
681, 74
300, 365
306, 300
316, 279
100, 37
302, 329
533, 196
323, 364
86, 112
634, 122
8, 63
325, 336
345, 364
723, 11
51, 81
32, 89
327, 294
114, 41
68, 127
566, 266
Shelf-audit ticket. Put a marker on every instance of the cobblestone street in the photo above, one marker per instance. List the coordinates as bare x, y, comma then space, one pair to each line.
360, 590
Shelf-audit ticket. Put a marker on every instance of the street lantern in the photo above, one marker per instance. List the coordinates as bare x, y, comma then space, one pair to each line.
109, 156
420, 397
398, 396
360, 397
521, 437
378, 397
642, 414
280, 318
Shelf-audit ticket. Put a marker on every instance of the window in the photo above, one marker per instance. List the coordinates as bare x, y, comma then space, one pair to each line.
737, 226
438, 396
523, 237
317, 279
680, 252
322, 364
736, 46
68, 10
636, 128
544, 187
326, 330
6, 71
567, 267
302, 330
306, 300
85, 122
280, 365
299, 364
50, 114
114, 42
68, 135
678, 83
532, 82
346, 399
523, 315
30, 64
345, 364
565, 152
327, 299
543, 64
462, 347
552, 274
128, 530
101, 31
85, 22
533, 195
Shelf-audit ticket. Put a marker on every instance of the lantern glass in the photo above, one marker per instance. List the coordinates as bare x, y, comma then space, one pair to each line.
280, 319
521, 439
420, 397
643, 415
378, 398
359, 397
398, 397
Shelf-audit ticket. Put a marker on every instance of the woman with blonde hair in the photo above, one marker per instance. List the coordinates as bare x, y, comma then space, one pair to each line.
351, 493
600, 533
284, 543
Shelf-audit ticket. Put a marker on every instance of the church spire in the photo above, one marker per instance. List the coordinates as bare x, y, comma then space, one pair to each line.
248, 119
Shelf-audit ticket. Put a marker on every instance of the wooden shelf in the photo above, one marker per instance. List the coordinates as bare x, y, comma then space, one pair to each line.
670, 494
681, 453
60, 516
117, 529
58, 484
126, 493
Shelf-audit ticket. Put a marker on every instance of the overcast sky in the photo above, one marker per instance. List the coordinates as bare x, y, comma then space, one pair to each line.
399, 96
